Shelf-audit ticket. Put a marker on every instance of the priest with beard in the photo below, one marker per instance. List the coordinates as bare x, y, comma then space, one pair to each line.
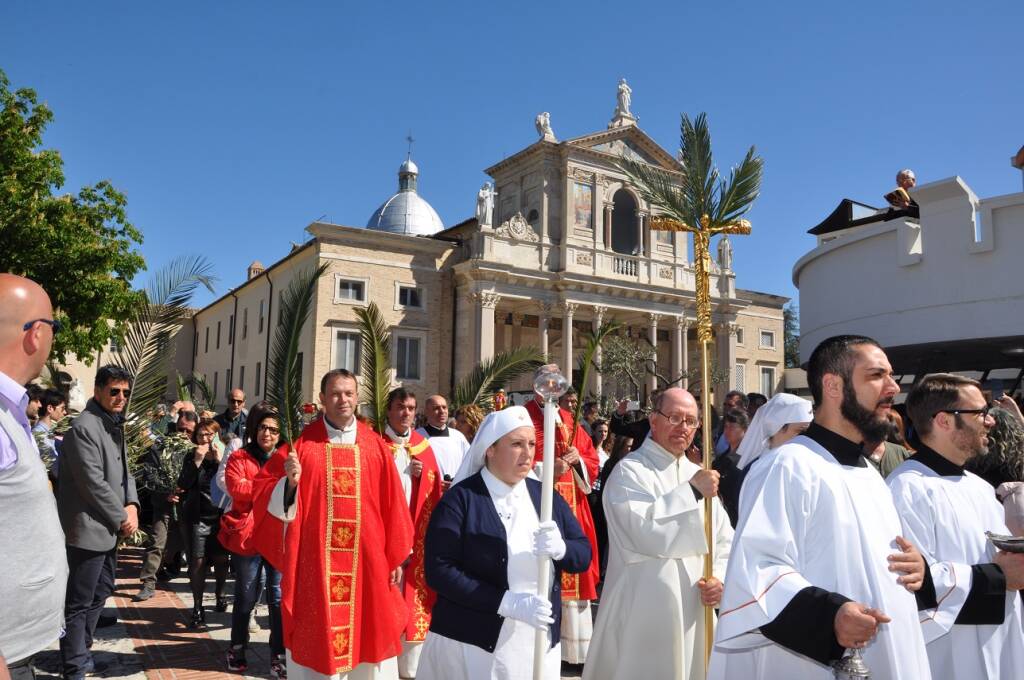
819, 565
421, 482
974, 630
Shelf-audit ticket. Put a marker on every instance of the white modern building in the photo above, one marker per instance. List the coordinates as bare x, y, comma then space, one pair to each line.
942, 292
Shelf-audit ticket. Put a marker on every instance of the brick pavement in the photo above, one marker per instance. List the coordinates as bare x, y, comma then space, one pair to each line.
152, 641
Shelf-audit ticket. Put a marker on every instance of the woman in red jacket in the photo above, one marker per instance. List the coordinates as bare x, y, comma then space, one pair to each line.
262, 433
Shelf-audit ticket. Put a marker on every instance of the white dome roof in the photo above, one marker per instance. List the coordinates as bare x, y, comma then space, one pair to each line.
406, 212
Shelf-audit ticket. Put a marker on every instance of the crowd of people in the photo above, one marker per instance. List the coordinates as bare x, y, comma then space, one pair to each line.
846, 524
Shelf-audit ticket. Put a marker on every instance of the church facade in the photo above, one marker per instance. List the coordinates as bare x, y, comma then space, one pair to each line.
560, 245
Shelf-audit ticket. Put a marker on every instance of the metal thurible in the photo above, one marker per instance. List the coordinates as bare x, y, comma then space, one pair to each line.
851, 667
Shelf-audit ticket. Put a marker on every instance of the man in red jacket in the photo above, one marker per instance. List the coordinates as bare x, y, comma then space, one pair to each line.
330, 514
576, 468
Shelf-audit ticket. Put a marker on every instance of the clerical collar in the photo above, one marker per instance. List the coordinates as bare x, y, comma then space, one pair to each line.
398, 438
331, 426
942, 466
842, 449
434, 432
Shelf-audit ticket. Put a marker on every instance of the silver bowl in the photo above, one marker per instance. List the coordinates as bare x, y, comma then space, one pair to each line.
1014, 544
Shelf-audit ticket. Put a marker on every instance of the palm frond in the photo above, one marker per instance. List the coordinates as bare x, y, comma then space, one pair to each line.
284, 374
184, 394
203, 397
375, 363
742, 189
147, 348
490, 375
581, 376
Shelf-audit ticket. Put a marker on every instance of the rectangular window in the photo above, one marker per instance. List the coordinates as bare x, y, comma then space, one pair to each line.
195, 345
740, 381
214, 385
231, 330
351, 290
409, 296
227, 383
259, 375
408, 358
739, 336
767, 381
260, 329
206, 345
245, 322
347, 347
768, 339
241, 378
218, 335
115, 345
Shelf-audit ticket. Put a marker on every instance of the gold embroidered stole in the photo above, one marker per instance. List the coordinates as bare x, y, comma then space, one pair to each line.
420, 620
342, 541
569, 491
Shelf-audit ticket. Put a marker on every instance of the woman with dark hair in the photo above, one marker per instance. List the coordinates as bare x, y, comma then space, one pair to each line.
263, 437
200, 518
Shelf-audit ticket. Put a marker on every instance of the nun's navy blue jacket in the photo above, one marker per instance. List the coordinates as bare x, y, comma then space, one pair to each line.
466, 562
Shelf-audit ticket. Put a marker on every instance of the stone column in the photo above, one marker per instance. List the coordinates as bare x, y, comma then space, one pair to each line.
678, 335
543, 317
597, 322
685, 366
640, 241
652, 335
645, 235
568, 310
608, 207
485, 304
517, 330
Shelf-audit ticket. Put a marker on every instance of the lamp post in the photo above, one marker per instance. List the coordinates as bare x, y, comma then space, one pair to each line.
549, 385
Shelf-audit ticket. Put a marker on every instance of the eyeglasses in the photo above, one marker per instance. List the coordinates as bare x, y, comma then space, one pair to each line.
676, 421
268, 428
52, 323
115, 391
983, 412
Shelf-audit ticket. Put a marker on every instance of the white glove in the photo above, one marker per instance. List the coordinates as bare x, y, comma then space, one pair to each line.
526, 607
547, 541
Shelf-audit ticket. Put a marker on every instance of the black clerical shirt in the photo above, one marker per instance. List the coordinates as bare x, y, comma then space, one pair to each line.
434, 432
807, 624
986, 601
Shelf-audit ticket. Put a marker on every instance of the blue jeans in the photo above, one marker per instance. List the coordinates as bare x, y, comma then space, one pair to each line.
247, 588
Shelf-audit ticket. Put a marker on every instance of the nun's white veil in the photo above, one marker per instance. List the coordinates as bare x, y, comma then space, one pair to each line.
780, 410
495, 426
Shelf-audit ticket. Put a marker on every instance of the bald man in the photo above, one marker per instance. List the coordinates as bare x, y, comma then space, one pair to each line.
31, 540
449, 445
652, 607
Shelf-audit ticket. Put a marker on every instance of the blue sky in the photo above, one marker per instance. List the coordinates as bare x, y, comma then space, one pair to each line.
232, 125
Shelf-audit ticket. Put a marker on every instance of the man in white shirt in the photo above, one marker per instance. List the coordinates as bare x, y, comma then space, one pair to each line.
449, 445
973, 629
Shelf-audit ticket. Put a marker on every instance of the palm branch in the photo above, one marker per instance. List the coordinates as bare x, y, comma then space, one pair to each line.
701, 191
147, 349
490, 375
375, 364
284, 374
203, 397
586, 361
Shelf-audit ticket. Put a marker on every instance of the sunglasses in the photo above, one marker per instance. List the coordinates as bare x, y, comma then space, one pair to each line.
52, 323
115, 391
268, 428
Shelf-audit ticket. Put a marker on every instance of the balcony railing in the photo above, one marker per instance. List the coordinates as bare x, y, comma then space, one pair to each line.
625, 266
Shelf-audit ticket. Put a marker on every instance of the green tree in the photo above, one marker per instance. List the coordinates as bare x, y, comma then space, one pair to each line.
78, 247
791, 334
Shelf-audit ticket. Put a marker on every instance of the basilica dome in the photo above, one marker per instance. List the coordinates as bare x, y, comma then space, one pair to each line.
406, 212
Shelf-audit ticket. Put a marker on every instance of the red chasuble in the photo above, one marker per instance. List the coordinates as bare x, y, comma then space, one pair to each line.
426, 492
351, 530
574, 586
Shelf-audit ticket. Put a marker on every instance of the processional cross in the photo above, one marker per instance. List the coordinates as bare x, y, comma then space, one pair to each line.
702, 234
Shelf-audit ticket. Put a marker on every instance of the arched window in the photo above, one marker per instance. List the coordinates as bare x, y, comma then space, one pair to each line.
624, 231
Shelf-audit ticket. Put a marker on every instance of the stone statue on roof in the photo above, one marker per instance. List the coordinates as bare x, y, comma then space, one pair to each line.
625, 98
543, 123
485, 204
